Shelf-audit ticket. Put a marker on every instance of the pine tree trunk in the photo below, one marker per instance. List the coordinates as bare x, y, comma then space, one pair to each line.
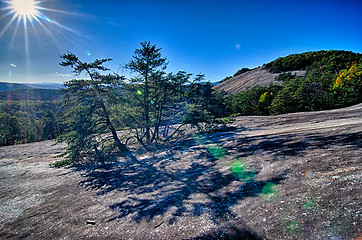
147, 111
122, 147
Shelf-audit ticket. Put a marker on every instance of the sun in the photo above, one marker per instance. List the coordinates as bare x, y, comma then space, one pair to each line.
29, 14
25, 10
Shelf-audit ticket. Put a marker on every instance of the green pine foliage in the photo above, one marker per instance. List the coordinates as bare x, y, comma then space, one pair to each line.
241, 71
159, 100
149, 91
200, 93
90, 130
146, 107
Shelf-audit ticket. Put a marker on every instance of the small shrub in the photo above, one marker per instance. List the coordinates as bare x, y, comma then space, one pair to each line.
61, 163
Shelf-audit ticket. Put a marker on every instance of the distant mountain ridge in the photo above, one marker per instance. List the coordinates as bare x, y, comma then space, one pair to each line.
45, 85
4, 86
29, 91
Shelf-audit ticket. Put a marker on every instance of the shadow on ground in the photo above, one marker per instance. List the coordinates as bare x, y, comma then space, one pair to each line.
157, 185
293, 145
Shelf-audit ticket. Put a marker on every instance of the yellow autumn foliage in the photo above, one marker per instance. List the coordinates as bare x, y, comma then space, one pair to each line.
263, 96
351, 76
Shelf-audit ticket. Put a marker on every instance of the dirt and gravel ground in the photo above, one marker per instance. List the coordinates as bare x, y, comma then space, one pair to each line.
294, 176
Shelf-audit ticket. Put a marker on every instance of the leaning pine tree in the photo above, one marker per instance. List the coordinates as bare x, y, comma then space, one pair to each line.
90, 132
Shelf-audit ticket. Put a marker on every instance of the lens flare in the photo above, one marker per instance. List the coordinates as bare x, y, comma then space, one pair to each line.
31, 14
308, 204
216, 151
293, 226
243, 172
268, 190
25, 10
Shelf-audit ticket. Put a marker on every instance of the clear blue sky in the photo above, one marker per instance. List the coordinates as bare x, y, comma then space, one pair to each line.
212, 37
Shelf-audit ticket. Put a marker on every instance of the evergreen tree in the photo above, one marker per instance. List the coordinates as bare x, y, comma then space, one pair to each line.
149, 90
9, 129
48, 125
89, 110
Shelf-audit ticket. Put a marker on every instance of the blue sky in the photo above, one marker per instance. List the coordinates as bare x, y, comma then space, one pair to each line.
215, 38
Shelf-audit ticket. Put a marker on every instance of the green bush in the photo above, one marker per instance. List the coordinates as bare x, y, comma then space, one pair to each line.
241, 71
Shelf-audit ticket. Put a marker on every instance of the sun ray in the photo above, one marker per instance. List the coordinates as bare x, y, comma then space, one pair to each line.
26, 19
8, 25
54, 40
30, 12
26, 10
5, 14
62, 12
14, 33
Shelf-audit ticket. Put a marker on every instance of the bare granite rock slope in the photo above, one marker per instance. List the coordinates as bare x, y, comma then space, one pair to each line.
292, 176
258, 76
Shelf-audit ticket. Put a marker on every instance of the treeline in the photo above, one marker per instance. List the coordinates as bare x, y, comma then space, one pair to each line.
333, 80
30, 94
333, 59
29, 121
240, 71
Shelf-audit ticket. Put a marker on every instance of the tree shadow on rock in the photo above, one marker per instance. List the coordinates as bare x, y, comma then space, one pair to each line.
282, 145
131, 176
292, 145
170, 186
353, 139
231, 234
174, 191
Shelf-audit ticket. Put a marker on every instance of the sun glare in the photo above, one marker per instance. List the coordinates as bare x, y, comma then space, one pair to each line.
30, 13
24, 9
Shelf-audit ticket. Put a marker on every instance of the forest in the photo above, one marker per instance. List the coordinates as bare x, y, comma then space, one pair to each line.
332, 80
101, 114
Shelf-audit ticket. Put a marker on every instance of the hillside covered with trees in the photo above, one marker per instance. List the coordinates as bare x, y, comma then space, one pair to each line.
28, 114
332, 80
28, 121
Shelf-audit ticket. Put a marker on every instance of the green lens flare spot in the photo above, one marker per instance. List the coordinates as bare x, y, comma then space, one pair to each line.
293, 226
216, 151
139, 92
238, 167
242, 172
308, 204
268, 190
